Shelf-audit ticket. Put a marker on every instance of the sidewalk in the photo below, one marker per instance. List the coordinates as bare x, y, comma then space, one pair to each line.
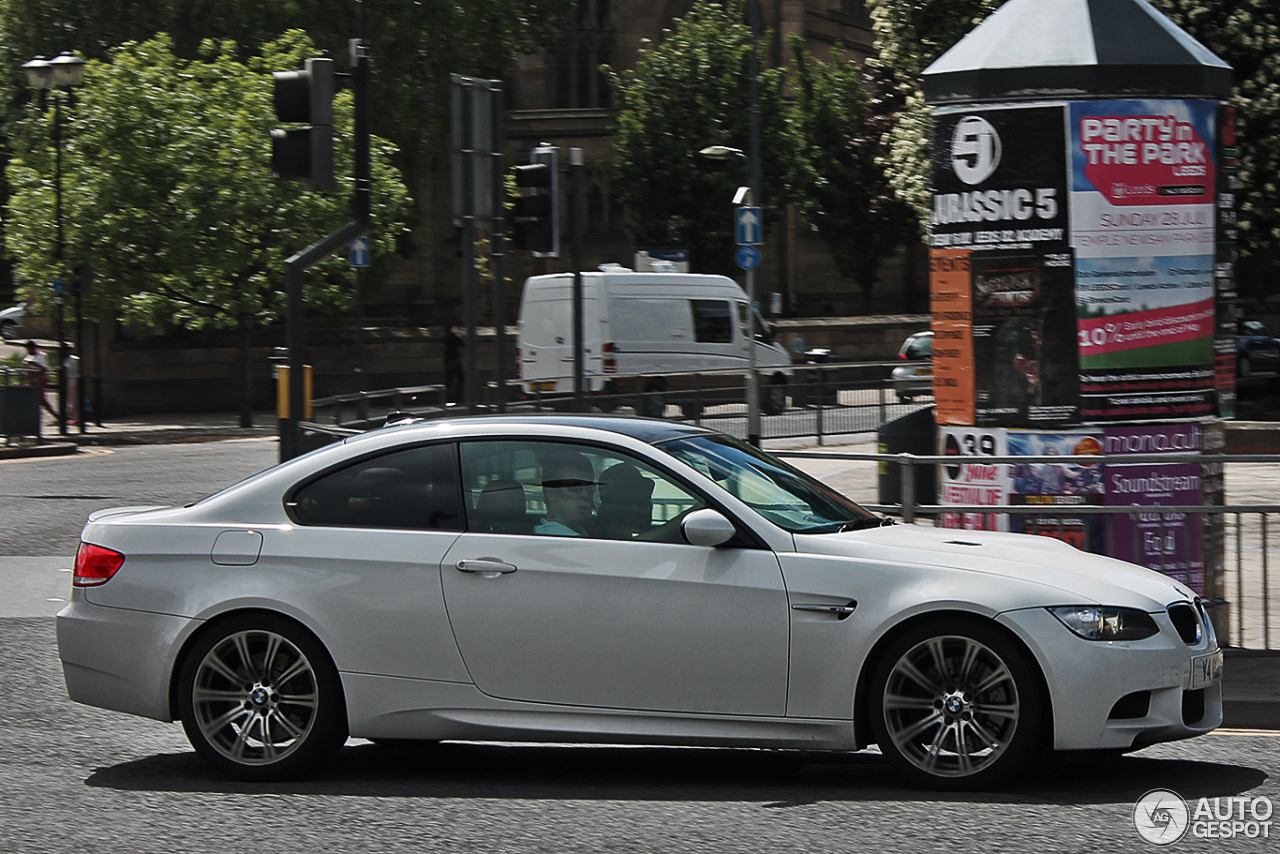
1251, 681
143, 430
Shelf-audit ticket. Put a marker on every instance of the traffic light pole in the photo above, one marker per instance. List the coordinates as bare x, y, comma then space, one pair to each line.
296, 265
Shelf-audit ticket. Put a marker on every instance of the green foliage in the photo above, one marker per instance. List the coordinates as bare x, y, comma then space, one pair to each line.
846, 195
415, 44
1246, 33
910, 35
690, 92
167, 192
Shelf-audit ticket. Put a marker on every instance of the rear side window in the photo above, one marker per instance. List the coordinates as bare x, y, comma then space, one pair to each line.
712, 321
415, 489
920, 348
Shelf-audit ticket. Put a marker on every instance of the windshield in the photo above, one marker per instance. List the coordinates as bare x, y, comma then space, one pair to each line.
785, 496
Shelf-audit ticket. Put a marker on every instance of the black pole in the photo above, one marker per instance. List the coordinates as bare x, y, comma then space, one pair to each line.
575, 238
59, 251
296, 265
498, 248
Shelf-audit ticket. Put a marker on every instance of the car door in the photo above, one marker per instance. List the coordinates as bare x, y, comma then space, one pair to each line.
609, 616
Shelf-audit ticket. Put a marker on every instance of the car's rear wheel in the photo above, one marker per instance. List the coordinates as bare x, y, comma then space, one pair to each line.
957, 705
8, 329
261, 700
653, 402
773, 398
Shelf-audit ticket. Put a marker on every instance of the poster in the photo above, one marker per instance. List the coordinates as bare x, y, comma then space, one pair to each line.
970, 479
1050, 484
951, 302
1170, 543
1000, 187
1143, 184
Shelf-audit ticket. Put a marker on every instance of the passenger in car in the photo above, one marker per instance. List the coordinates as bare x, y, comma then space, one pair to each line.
626, 503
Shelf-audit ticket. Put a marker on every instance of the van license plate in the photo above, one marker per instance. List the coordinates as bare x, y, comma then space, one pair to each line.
1205, 670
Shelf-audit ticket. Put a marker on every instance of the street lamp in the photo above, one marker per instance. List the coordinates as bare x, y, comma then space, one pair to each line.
745, 197
64, 71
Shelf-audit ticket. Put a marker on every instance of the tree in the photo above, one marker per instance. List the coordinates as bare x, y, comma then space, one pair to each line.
845, 193
690, 92
910, 35
415, 44
1246, 33
167, 190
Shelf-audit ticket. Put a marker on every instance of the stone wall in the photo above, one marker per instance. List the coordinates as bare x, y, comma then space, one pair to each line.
168, 375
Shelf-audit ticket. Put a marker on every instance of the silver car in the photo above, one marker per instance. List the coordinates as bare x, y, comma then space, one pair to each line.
11, 321
915, 378
597, 579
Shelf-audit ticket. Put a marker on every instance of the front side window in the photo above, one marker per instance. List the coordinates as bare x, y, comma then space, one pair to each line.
414, 489
561, 489
712, 321
784, 495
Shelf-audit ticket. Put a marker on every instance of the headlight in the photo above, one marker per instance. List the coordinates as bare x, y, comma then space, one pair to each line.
1092, 622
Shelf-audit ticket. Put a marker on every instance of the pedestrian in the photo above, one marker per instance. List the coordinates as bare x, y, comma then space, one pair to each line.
37, 365
454, 344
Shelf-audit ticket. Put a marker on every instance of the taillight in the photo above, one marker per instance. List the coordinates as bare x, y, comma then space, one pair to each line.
95, 565
610, 360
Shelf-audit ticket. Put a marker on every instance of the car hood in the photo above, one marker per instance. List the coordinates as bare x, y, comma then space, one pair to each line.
1076, 577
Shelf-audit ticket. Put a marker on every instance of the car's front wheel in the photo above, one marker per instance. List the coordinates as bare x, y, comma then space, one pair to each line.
261, 700
957, 705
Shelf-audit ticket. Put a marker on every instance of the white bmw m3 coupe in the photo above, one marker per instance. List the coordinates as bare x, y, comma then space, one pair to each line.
615, 580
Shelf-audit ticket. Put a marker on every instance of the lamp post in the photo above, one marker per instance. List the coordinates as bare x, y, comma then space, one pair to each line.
64, 71
746, 196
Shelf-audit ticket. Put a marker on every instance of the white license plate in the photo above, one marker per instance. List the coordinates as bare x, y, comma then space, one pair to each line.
1205, 670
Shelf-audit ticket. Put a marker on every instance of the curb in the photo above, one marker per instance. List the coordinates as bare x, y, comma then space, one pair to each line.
61, 449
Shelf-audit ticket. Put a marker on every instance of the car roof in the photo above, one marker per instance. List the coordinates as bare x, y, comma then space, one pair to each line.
649, 430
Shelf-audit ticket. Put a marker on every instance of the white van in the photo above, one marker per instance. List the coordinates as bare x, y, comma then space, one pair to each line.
645, 322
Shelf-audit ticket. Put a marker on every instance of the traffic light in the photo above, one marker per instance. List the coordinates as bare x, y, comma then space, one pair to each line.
537, 213
305, 154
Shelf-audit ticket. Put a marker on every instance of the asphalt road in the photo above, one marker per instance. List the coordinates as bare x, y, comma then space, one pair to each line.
76, 779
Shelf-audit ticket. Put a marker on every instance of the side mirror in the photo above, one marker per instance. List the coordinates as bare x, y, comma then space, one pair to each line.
707, 527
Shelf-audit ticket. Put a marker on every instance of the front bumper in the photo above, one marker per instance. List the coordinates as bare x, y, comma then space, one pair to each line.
1119, 695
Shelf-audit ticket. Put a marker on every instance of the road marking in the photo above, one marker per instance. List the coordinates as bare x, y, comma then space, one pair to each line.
1269, 733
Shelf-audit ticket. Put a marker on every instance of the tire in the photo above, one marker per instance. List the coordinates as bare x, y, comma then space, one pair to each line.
1245, 367
773, 398
242, 718
608, 402
653, 403
957, 705
8, 329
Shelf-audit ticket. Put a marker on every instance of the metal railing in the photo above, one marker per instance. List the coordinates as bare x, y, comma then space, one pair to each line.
1238, 587
816, 400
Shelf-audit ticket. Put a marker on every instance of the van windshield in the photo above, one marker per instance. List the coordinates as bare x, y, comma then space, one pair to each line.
784, 495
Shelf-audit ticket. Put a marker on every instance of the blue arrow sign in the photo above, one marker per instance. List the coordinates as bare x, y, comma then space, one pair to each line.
748, 257
358, 253
749, 226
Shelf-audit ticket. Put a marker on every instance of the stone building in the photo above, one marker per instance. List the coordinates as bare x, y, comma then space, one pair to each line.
561, 97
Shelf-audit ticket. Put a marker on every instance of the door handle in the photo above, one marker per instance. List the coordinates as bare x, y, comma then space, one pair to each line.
840, 612
485, 566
